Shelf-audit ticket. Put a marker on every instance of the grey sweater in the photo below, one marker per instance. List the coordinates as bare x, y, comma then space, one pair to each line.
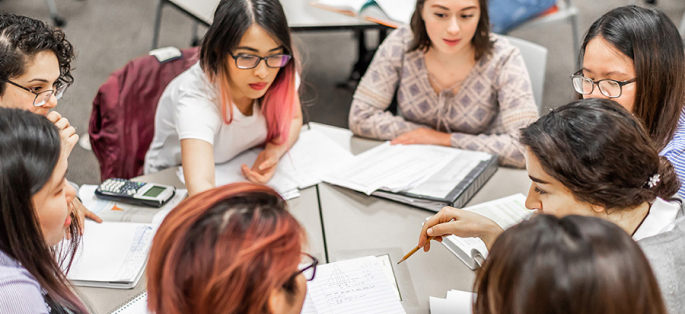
666, 254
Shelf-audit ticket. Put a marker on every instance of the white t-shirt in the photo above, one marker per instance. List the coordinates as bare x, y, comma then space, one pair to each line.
189, 109
660, 219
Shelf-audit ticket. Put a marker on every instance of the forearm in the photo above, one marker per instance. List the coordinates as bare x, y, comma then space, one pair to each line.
367, 120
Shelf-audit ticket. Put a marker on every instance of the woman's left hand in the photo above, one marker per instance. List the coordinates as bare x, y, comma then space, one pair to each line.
81, 213
423, 136
265, 166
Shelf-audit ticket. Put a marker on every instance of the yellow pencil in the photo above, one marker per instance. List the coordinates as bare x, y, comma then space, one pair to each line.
413, 251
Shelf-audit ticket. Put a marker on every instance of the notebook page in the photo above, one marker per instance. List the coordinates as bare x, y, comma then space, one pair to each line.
136, 306
443, 182
506, 211
353, 286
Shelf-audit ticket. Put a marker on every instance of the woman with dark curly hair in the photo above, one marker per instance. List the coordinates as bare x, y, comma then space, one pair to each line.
35, 70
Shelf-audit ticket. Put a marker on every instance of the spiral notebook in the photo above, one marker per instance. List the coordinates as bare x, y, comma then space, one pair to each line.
136, 305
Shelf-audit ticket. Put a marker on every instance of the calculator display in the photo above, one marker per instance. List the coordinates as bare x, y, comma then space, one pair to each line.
154, 191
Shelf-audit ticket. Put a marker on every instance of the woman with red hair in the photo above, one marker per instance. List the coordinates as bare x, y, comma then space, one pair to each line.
233, 249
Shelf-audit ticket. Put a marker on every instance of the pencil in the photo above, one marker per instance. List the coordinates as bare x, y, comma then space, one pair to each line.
413, 251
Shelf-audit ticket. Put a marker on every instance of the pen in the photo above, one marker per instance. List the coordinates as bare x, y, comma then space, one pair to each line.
413, 251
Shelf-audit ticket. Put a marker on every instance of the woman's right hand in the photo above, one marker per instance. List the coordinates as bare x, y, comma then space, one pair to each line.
66, 131
459, 222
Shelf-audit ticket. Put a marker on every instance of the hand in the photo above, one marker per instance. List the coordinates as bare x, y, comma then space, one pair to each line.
459, 222
423, 136
264, 167
82, 213
66, 131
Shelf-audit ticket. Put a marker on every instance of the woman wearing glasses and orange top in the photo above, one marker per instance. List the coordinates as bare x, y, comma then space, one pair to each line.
236, 249
241, 94
455, 83
634, 56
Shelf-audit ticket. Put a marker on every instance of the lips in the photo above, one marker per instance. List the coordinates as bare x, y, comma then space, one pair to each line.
67, 221
258, 86
451, 42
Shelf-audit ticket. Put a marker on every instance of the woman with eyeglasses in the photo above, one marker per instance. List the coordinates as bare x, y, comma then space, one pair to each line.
455, 84
592, 157
35, 70
241, 94
233, 249
634, 55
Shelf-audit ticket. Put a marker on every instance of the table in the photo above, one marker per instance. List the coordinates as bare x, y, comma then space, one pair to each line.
343, 224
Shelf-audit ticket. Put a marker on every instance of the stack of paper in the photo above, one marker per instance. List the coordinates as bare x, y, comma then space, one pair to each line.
392, 167
304, 165
457, 302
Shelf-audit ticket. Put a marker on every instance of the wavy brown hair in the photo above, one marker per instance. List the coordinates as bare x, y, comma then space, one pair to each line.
601, 153
224, 251
575, 264
480, 41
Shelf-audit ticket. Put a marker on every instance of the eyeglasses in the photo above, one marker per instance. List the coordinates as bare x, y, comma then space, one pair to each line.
43, 97
307, 267
609, 88
245, 61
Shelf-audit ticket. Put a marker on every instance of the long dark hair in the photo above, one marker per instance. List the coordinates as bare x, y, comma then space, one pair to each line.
30, 150
227, 248
232, 19
649, 38
21, 38
575, 264
601, 153
481, 39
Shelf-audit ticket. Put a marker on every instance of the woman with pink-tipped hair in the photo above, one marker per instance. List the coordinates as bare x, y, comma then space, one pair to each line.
241, 94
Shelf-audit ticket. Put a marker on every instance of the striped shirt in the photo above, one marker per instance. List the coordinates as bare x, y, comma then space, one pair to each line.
19, 290
675, 153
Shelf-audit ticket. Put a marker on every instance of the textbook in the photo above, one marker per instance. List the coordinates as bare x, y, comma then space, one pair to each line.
506, 212
136, 305
391, 13
113, 254
454, 185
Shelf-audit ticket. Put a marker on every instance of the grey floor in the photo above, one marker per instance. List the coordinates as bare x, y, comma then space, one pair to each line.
108, 33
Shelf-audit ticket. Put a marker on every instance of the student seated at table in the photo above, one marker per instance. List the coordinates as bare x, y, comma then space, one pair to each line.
592, 157
455, 83
35, 71
569, 265
235, 248
241, 94
635, 56
35, 215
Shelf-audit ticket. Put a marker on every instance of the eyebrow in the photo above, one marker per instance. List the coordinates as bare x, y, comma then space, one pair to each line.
439, 7
536, 180
39, 80
607, 73
469, 8
255, 50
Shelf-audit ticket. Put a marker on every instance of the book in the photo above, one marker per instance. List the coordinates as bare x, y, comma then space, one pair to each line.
353, 286
392, 13
506, 212
113, 254
454, 185
136, 305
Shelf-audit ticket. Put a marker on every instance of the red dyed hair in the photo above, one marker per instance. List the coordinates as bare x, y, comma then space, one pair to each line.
224, 250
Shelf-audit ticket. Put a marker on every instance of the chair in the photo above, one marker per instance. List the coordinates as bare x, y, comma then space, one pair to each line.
565, 12
121, 125
535, 57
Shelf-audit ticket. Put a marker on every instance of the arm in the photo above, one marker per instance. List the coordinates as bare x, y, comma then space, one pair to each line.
265, 165
197, 158
516, 110
376, 90
459, 222
21, 294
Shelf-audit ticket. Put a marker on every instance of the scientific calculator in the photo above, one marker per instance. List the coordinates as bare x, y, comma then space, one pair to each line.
139, 193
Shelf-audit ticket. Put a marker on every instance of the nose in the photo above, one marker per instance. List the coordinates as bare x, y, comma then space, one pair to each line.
596, 93
453, 27
261, 71
532, 200
69, 192
51, 103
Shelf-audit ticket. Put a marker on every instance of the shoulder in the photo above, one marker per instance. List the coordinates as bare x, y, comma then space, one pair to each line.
502, 48
399, 40
19, 290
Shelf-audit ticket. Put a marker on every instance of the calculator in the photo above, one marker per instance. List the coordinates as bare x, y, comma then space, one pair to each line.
138, 193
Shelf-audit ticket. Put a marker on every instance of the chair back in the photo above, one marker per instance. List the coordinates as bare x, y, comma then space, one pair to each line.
122, 122
535, 57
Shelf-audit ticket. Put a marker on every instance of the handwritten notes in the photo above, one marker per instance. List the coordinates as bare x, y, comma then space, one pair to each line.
353, 286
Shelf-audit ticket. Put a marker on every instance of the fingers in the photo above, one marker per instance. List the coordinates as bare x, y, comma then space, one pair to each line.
53, 116
444, 215
266, 164
62, 123
92, 216
253, 176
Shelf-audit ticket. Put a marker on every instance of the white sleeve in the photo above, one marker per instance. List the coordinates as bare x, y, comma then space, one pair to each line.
197, 117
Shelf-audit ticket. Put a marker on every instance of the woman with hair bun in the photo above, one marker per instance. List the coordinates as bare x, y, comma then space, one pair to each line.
592, 157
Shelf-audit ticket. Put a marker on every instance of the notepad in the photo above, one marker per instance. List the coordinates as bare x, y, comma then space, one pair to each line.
137, 305
352, 286
506, 212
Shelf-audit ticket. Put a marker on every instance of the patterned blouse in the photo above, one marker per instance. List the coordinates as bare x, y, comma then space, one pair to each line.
494, 101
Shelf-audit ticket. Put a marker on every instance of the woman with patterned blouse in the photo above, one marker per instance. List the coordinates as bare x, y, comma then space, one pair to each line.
456, 84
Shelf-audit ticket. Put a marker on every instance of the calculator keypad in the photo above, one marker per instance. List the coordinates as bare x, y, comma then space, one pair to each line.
121, 186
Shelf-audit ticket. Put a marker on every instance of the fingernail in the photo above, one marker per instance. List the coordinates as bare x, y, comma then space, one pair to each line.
430, 231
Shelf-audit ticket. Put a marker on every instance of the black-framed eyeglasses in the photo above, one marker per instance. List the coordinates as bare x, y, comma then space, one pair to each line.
43, 97
307, 267
245, 61
608, 87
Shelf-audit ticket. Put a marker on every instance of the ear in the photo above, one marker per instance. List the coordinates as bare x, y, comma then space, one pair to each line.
598, 209
277, 301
